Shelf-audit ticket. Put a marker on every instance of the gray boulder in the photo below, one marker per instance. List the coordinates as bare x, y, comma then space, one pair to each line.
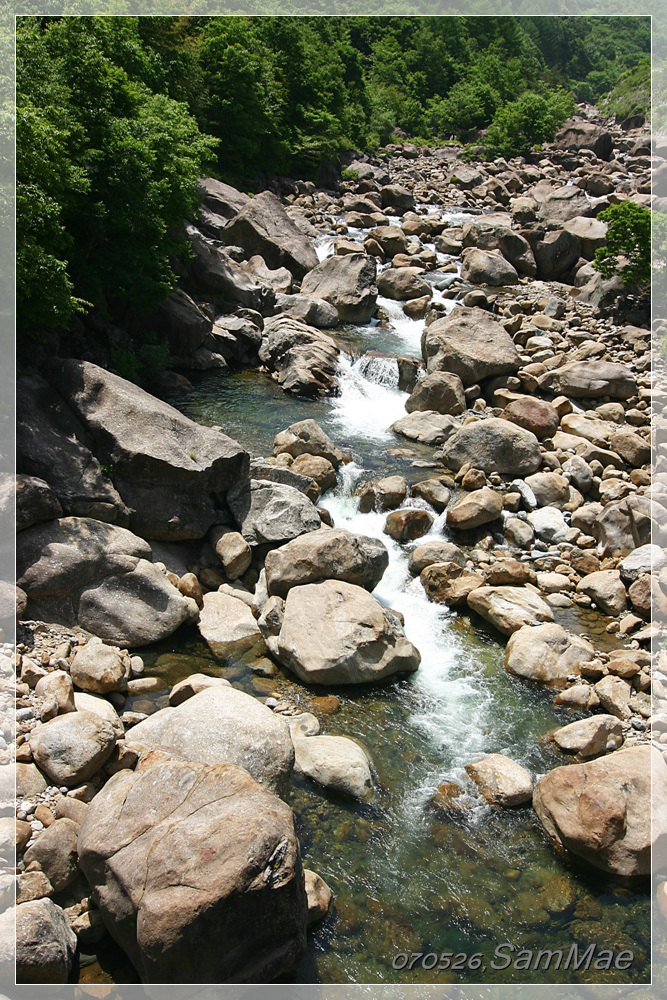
228, 626
585, 135
546, 653
306, 437
334, 762
35, 502
197, 873
45, 943
471, 344
489, 235
223, 199
403, 283
53, 445
263, 227
221, 725
348, 283
336, 633
180, 321
168, 469
426, 426
493, 445
556, 254
326, 555
213, 270
304, 359
72, 748
271, 512
309, 309
487, 267
79, 571
563, 204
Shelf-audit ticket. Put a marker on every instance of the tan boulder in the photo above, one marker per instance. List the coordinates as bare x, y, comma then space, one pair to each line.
509, 608
546, 653
501, 781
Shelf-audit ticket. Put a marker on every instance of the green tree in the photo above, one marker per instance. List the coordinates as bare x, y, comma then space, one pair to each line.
627, 249
532, 118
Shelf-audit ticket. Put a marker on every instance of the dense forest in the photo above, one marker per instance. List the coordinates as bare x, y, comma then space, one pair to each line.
117, 118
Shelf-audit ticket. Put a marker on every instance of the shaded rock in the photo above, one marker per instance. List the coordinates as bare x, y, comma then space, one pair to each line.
336, 633
232, 550
304, 359
585, 135
501, 781
35, 502
223, 199
53, 445
221, 725
493, 445
405, 525
57, 684
308, 309
167, 468
441, 392
469, 343
179, 321
307, 437
556, 254
547, 653
475, 509
489, 235
228, 626
335, 762
98, 668
383, 494
197, 873
425, 426
590, 379
432, 492
271, 512
72, 748
326, 555
45, 943
398, 197
590, 737
348, 283
601, 810
263, 227
81, 571
56, 853
509, 608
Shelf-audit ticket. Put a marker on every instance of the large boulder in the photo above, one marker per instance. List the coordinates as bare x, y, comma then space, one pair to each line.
534, 415
606, 589
488, 267
228, 626
271, 512
601, 810
197, 873
471, 344
306, 437
487, 234
563, 204
304, 359
336, 633
585, 135
547, 653
212, 270
425, 426
53, 445
326, 555
98, 668
509, 608
348, 283
308, 309
556, 254
222, 199
179, 320
589, 379
493, 445
79, 571
72, 748
45, 943
591, 233
440, 391
263, 227
334, 762
169, 470
221, 725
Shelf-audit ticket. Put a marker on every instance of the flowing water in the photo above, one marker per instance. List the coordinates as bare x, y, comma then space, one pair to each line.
407, 878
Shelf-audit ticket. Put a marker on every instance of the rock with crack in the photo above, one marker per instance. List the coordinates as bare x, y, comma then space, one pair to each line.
547, 653
348, 283
197, 873
270, 512
469, 343
333, 554
262, 226
509, 608
303, 359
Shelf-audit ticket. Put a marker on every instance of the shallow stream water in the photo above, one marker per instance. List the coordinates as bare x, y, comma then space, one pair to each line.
406, 878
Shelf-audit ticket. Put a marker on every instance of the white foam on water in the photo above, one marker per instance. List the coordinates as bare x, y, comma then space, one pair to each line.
369, 399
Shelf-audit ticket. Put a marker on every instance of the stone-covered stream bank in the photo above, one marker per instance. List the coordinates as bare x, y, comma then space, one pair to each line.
482, 451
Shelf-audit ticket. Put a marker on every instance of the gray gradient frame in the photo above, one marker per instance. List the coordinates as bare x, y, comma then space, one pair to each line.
10, 8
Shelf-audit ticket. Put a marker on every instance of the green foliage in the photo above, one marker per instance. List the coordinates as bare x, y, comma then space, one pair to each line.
106, 169
628, 245
349, 175
532, 118
632, 93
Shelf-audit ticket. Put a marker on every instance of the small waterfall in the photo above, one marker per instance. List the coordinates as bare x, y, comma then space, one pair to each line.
382, 371
369, 399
